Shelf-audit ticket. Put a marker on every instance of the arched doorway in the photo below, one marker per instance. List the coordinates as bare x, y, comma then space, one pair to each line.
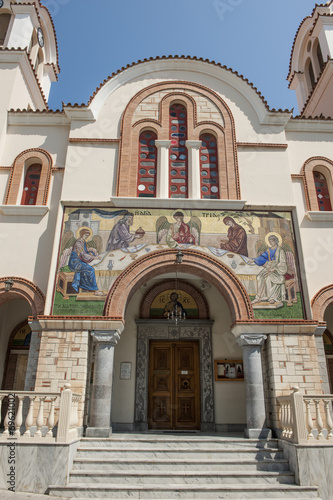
322, 306
174, 369
21, 301
17, 358
220, 300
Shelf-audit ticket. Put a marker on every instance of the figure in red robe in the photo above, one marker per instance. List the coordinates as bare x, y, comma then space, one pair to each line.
180, 231
237, 238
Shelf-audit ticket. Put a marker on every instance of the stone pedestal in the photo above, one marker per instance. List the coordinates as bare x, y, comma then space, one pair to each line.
100, 409
254, 388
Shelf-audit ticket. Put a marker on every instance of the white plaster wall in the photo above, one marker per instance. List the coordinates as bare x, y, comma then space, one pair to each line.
125, 351
27, 241
53, 139
90, 172
303, 145
4, 178
229, 396
316, 244
265, 177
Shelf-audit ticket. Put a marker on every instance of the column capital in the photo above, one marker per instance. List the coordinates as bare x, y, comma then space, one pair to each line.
250, 340
105, 336
162, 144
193, 144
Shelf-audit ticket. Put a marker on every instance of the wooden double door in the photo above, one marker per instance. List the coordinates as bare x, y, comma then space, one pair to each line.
174, 385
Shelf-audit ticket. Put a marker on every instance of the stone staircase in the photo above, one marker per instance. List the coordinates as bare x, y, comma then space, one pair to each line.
165, 467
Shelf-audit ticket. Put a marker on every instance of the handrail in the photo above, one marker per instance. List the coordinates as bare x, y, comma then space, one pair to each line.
301, 416
50, 416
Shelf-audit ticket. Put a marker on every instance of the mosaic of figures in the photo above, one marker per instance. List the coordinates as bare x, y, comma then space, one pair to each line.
98, 244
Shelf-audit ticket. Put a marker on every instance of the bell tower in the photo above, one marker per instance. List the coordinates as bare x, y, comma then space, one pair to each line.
28, 55
311, 63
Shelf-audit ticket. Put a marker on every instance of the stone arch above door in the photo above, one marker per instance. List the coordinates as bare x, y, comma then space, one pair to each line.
201, 265
182, 285
23, 289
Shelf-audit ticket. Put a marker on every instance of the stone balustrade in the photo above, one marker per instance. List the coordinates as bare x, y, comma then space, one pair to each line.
301, 416
49, 416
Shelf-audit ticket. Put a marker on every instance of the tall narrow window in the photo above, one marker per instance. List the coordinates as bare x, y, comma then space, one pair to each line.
178, 158
31, 184
147, 165
322, 192
311, 75
320, 57
209, 178
4, 23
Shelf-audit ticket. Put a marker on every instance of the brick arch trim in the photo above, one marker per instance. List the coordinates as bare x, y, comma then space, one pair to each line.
182, 285
23, 289
194, 262
321, 301
229, 174
18, 172
307, 172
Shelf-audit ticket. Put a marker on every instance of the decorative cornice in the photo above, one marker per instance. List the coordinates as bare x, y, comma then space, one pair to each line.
106, 336
259, 145
88, 140
182, 57
250, 340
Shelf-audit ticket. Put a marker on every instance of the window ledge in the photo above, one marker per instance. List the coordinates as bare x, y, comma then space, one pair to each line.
25, 210
320, 216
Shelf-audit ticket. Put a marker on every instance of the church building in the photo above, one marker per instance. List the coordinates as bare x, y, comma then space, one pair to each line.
166, 265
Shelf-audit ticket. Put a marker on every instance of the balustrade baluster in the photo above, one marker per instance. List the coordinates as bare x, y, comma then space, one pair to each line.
50, 420
283, 418
1, 398
289, 429
19, 416
40, 417
5, 424
319, 420
329, 424
30, 417
309, 424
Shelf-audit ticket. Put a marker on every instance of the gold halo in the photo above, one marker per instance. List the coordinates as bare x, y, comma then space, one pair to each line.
77, 234
279, 237
178, 292
184, 212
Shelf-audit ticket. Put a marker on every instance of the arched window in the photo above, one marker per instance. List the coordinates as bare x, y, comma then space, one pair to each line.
178, 158
147, 165
209, 178
31, 184
322, 192
310, 74
4, 23
320, 57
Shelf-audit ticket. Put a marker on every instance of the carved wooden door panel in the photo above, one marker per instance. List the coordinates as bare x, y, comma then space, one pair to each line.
174, 385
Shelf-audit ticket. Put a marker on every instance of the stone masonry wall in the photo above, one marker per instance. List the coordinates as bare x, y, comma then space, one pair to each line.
206, 109
63, 358
290, 360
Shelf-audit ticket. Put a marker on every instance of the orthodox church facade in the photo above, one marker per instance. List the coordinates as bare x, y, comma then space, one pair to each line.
166, 248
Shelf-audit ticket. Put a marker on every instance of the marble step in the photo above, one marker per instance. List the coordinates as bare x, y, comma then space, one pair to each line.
160, 452
180, 491
174, 464
181, 477
176, 443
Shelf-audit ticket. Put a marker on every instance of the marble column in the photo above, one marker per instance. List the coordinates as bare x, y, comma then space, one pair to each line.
162, 190
100, 407
254, 387
194, 169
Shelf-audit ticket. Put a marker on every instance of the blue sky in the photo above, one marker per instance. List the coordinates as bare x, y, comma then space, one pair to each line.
253, 37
